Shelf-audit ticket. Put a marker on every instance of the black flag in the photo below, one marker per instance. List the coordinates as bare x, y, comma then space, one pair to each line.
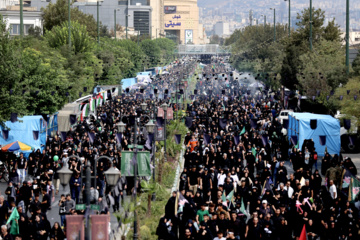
13, 117
322, 140
206, 139
63, 136
36, 135
188, 121
313, 124
285, 123
223, 123
294, 140
347, 124
5, 134
72, 119
177, 138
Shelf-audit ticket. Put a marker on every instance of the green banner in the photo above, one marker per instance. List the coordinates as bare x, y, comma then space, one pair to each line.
143, 161
144, 164
127, 168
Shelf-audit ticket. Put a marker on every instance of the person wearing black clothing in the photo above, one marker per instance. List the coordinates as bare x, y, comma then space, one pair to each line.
46, 201
193, 179
25, 194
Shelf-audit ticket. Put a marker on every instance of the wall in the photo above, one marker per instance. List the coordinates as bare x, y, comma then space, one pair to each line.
185, 18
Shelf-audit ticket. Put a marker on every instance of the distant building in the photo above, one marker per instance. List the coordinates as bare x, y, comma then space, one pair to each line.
222, 29
354, 38
177, 20
138, 11
10, 10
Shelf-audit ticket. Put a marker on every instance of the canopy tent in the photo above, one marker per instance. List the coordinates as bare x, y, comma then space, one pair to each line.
28, 129
16, 146
128, 82
326, 125
256, 85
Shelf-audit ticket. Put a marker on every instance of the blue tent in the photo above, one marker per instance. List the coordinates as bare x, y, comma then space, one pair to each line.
30, 130
128, 82
326, 125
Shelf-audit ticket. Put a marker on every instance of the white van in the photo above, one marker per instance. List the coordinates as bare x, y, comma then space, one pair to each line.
284, 114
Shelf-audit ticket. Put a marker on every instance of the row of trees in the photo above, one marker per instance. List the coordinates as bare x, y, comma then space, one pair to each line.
40, 73
290, 62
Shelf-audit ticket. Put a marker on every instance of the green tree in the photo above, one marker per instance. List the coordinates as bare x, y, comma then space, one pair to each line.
57, 13
332, 32
152, 50
10, 62
356, 65
80, 39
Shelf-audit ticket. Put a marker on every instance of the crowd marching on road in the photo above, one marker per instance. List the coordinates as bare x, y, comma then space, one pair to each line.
34, 181
235, 183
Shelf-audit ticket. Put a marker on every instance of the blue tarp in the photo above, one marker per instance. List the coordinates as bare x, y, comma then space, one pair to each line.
23, 131
299, 125
128, 82
144, 73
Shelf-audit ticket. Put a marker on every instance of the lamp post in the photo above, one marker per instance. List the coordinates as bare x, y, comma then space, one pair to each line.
98, 20
310, 39
150, 128
164, 106
289, 16
126, 23
115, 21
21, 19
112, 176
347, 37
274, 23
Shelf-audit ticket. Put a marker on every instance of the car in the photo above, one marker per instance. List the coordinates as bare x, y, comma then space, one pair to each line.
284, 114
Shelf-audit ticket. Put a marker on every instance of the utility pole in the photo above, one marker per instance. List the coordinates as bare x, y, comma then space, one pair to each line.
69, 9
289, 16
98, 21
347, 37
21, 19
115, 23
274, 23
311, 47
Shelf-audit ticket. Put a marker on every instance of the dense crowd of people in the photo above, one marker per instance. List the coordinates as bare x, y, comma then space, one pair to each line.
243, 179
34, 180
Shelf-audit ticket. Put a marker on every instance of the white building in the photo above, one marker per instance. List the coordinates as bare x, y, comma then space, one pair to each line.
222, 29
10, 10
354, 38
31, 19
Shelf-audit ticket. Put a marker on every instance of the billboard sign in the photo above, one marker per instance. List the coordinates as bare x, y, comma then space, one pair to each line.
169, 9
188, 36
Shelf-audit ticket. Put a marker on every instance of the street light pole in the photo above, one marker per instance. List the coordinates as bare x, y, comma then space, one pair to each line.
115, 23
69, 16
289, 16
21, 19
112, 175
347, 37
310, 39
135, 237
274, 23
98, 21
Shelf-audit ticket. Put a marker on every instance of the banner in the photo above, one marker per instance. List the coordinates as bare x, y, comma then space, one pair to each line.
169, 114
127, 169
169, 9
75, 227
144, 169
99, 227
159, 136
160, 112
143, 164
